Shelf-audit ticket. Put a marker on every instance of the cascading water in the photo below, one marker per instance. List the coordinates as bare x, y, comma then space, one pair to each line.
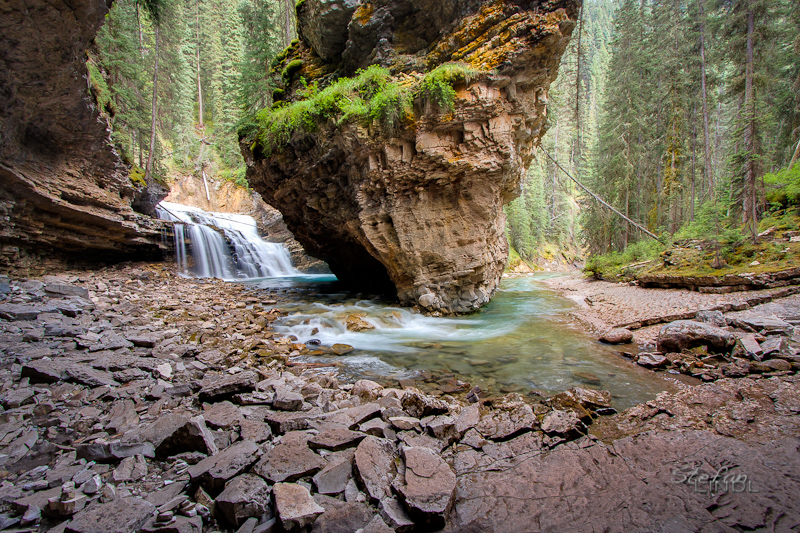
223, 245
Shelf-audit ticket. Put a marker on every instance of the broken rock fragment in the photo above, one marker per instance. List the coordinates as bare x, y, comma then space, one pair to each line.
295, 506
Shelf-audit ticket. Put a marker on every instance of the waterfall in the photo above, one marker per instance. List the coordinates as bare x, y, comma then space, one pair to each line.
223, 245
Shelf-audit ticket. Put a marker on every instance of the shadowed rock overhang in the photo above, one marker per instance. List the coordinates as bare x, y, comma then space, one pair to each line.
416, 208
63, 190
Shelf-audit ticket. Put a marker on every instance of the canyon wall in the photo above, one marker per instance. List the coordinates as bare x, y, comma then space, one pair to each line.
418, 211
63, 191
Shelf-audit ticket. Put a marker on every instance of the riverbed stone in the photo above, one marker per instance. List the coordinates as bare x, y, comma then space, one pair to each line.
212, 472
684, 334
295, 506
287, 399
345, 518
501, 424
334, 477
229, 385
564, 424
375, 468
652, 360
336, 439
121, 515
617, 336
367, 390
420, 405
244, 496
428, 487
395, 516
222, 415
173, 433
289, 460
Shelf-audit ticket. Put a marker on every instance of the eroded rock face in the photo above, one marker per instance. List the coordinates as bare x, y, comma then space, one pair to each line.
62, 188
419, 212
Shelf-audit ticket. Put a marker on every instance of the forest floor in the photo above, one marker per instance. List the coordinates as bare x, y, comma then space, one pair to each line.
602, 305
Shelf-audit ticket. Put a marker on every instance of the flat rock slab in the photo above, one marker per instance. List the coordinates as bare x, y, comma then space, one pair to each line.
345, 518
229, 385
429, 486
336, 439
334, 477
295, 506
289, 461
374, 460
174, 433
585, 482
15, 312
353, 416
222, 414
122, 515
214, 471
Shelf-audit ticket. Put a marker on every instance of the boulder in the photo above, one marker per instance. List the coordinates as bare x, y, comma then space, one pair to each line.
295, 506
245, 496
428, 487
617, 336
172, 433
345, 518
366, 390
685, 334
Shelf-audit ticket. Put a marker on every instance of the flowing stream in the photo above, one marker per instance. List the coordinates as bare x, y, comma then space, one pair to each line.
521, 341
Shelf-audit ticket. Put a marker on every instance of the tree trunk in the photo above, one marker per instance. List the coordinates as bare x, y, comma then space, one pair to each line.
694, 165
199, 86
151, 155
288, 6
795, 156
749, 199
708, 167
578, 155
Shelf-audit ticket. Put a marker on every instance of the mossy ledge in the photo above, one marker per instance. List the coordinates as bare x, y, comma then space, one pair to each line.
392, 162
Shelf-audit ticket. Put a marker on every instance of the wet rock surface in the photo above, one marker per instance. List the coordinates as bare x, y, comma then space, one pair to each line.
104, 439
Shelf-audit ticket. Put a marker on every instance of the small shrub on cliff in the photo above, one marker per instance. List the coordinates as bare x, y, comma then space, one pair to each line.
437, 85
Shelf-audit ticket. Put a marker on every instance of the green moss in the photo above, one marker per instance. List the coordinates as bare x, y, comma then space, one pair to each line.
371, 96
278, 94
437, 85
99, 88
292, 67
298, 6
136, 176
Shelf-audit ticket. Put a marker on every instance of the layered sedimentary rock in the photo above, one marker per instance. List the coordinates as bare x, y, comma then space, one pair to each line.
419, 210
63, 190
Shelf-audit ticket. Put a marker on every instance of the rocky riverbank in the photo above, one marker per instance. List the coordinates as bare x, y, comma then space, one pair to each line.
135, 400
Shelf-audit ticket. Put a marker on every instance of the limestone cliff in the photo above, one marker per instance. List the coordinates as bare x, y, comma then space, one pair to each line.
63, 191
417, 208
227, 197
